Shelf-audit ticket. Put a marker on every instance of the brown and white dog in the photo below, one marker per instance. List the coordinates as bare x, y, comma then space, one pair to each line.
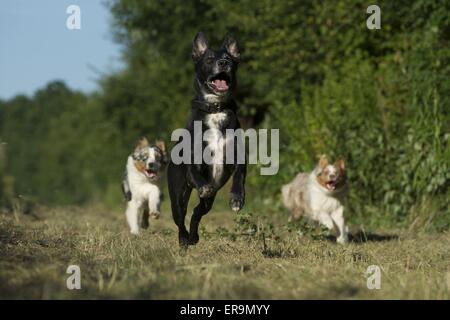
140, 186
320, 196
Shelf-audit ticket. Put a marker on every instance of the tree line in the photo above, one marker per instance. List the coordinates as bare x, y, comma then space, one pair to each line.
312, 69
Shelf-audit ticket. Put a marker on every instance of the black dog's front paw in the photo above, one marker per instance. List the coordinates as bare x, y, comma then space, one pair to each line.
236, 202
205, 191
193, 238
183, 239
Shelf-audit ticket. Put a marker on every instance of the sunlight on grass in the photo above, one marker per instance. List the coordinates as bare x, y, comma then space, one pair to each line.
272, 263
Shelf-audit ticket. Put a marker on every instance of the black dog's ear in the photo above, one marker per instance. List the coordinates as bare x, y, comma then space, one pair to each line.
199, 46
231, 45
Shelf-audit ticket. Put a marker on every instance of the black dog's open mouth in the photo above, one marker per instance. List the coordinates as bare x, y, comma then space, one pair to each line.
220, 82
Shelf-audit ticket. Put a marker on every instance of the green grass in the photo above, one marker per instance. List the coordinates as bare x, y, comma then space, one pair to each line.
35, 251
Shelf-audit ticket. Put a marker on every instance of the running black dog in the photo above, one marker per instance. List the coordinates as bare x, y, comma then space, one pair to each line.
212, 108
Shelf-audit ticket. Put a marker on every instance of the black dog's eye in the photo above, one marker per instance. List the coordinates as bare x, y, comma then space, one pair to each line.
209, 60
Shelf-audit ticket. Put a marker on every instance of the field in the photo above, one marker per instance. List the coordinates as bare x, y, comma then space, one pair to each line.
273, 262
316, 75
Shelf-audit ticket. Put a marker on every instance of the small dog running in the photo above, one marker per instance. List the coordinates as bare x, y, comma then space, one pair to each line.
320, 196
139, 185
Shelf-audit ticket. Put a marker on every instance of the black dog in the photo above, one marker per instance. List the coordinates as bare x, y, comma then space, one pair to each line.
215, 107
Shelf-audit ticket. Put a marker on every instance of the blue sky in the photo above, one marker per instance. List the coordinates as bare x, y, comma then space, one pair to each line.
37, 47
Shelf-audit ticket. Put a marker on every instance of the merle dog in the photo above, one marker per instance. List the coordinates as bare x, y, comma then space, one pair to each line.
215, 108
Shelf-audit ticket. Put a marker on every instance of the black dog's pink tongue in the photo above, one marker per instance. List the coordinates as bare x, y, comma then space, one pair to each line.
220, 85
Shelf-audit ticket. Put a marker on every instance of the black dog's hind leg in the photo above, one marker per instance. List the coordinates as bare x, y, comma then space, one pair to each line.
199, 211
179, 208
179, 192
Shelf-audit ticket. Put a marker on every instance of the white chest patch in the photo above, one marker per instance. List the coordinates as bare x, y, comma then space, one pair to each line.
216, 142
216, 120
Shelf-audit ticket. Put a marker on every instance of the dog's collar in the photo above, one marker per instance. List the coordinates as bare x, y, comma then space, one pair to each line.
213, 107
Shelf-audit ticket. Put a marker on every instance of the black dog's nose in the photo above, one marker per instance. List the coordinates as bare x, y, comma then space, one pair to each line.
223, 63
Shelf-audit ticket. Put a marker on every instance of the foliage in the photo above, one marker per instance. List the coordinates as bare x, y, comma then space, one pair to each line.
311, 69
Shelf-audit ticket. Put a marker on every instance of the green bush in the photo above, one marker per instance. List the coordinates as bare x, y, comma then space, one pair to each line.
312, 69
389, 117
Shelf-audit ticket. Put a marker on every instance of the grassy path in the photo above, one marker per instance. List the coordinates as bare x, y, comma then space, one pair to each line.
35, 252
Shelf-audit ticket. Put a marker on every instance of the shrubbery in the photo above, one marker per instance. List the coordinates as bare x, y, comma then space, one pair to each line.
313, 70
